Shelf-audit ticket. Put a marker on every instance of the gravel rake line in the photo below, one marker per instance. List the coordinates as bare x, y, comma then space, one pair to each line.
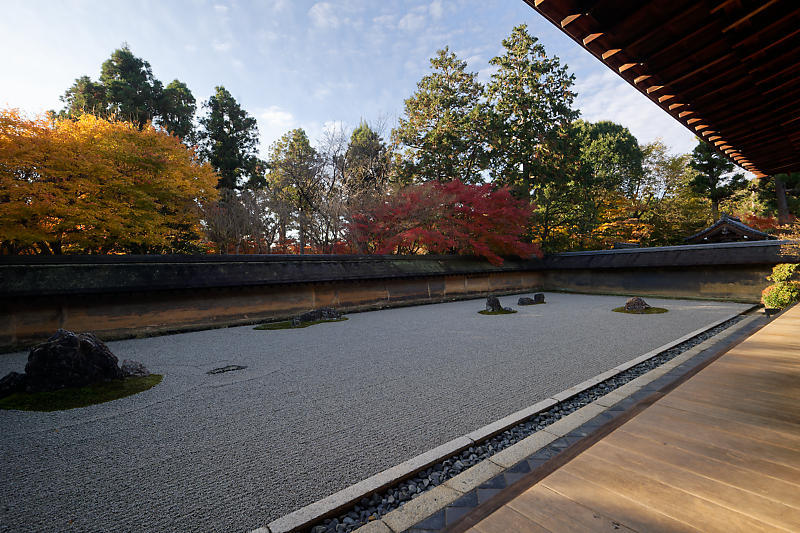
383, 502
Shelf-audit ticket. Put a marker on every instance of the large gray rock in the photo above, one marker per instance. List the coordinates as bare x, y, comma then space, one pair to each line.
323, 313
493, 304
11, 383
636, 304
132, 368
69, 359
538, 298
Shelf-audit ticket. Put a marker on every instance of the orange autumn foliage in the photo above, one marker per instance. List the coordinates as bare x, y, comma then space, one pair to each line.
617, 223
97, 186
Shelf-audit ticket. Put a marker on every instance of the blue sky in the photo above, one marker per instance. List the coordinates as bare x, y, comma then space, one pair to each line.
296, 63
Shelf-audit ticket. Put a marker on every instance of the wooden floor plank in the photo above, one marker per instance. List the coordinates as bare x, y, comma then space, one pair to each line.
775, 428
736, 425
736, 499
556, 512
780, 391
756, 373
505, 520
712, 468
760, 353
771, 403
720, 434
697, 512
630, 512
788, 474
678, 418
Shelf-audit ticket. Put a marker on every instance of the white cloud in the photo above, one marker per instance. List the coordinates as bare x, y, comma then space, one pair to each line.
280, 5
436, 9
219, 8
320, 93
189, 47
485, 74
221, 46
273, 122
323, 15
385, 21
413, 21
275, 116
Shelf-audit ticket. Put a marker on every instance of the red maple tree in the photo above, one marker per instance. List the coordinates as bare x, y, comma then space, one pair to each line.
446, 218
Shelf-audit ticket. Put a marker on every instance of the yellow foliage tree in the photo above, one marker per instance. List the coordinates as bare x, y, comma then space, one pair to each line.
618, 222
96, 186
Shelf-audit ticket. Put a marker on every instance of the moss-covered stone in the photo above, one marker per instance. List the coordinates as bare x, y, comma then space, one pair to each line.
287, 324
503, 312
72, 398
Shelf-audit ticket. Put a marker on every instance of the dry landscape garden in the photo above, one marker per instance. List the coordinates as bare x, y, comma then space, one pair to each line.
488, 314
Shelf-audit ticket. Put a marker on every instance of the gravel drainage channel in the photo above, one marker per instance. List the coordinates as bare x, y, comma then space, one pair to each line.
440, 465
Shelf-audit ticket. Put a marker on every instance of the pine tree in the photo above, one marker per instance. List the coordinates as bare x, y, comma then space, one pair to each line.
714, 178
442, 129
229, 141
128, 91
531, 99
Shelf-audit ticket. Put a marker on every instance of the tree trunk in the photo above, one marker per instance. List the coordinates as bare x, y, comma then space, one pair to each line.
525, 186
715, 209
302, 234
783, 206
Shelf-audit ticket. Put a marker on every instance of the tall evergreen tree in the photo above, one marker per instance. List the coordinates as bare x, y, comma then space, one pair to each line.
229, 141
177, 108
132, 92
714, 178
442, 128
367, 161
295, 179
127, 90
85, 96
611, 155
531, 100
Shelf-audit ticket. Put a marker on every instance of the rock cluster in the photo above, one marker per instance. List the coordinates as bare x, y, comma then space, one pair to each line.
323, 313
538, 298
636, 304
493, 305
65, 360
133, 369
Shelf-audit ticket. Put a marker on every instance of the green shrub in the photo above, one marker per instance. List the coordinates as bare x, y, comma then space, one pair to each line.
785, 272
781, 294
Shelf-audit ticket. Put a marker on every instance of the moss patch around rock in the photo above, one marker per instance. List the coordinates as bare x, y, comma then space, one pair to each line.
503, 312
79, 397
648, 311
287, 324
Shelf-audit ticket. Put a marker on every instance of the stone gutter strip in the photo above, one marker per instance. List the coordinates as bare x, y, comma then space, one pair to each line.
309, 515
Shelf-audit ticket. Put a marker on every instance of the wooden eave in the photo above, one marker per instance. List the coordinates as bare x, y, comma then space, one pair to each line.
725, 68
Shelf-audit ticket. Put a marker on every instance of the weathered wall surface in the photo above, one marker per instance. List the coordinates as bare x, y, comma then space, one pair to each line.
129, 296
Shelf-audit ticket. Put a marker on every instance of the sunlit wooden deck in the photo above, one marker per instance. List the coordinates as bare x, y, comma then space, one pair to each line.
719, 453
